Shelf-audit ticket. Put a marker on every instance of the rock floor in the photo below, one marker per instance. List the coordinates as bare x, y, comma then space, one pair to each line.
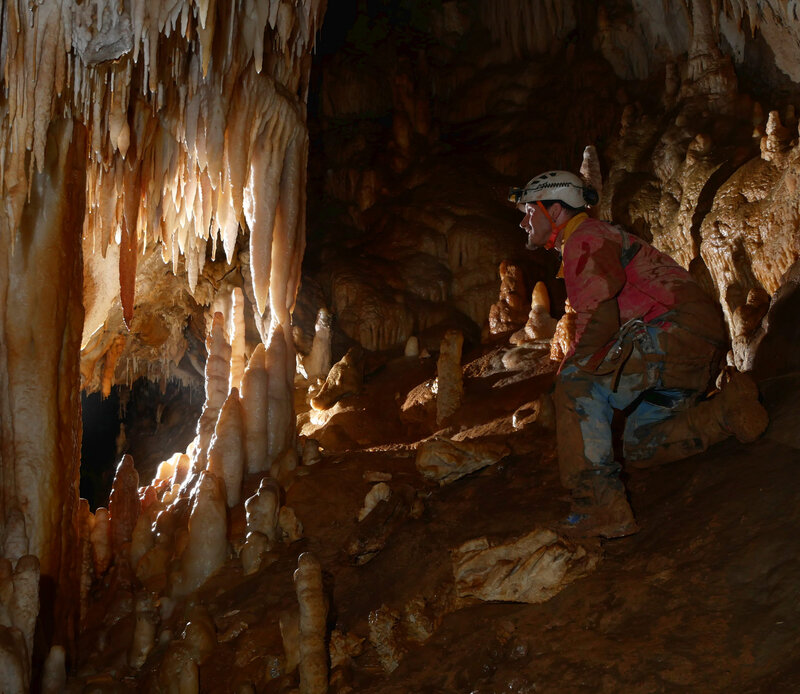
703, 598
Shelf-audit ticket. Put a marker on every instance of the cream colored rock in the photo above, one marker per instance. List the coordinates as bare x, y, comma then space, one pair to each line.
290, 525
166, 469
54, 673
564, 338
14, 659
200, 636
207, 545
101, 541
85, 521
255, 546
289, 624
380, 492
178, 673
318, 363
143, 538
531, 569
217, 375
444, 461
24, 607
225, 452
508, 313
450, 386
383, 635
144, 631
262, 510
280, 405
345, 378
412, 347
313, 663
236, 330
311, 454
254, 401
541, 325
124, 505
15, 543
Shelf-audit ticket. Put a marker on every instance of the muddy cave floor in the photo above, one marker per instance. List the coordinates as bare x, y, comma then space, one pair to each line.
704, 597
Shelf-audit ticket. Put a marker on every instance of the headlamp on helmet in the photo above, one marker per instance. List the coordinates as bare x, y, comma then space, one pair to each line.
555, 186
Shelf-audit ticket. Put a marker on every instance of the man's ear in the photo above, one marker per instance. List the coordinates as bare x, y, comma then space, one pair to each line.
555, 210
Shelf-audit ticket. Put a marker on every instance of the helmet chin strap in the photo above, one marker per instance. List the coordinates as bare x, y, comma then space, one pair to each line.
556, 229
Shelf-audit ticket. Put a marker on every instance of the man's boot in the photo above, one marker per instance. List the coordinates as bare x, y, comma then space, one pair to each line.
739, 411
734, 411
600, 508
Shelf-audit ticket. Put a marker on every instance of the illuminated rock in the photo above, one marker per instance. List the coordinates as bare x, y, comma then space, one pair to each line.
226, 452
450, 386
313, 662
530, 569
444, 461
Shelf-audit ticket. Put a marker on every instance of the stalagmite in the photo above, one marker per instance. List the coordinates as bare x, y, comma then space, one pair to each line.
255, 390
207, 542
144, 632
412, 347
450, 386
237, 333
313, 615
101, 541
564, 337
590, 169
14, 673
380, 492
280, 406
85, 521
540, 324
252, 552
318, 362
262, 509
54, 674
217, 375
226, 454
345, 378
123, 503
510, 310
24, 608
290, 525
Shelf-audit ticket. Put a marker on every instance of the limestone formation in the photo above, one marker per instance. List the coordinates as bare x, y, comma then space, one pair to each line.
450, 386
207, 545
263, 508
123, 504
318, 362
289, 524
255, 389
236, 330
218, 369
345, 378
54, 674
100, 535
530, 569
280, 408
509, 312
313, 663
564, 338
226, 452
444, 461
144, 632
380, 492
540, 325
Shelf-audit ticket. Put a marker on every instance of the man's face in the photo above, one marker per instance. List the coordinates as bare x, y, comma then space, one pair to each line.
535, 223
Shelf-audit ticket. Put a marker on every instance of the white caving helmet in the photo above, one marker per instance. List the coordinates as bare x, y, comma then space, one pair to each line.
556, 186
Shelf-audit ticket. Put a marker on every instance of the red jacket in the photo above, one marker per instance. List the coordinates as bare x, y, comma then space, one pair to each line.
602, 261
